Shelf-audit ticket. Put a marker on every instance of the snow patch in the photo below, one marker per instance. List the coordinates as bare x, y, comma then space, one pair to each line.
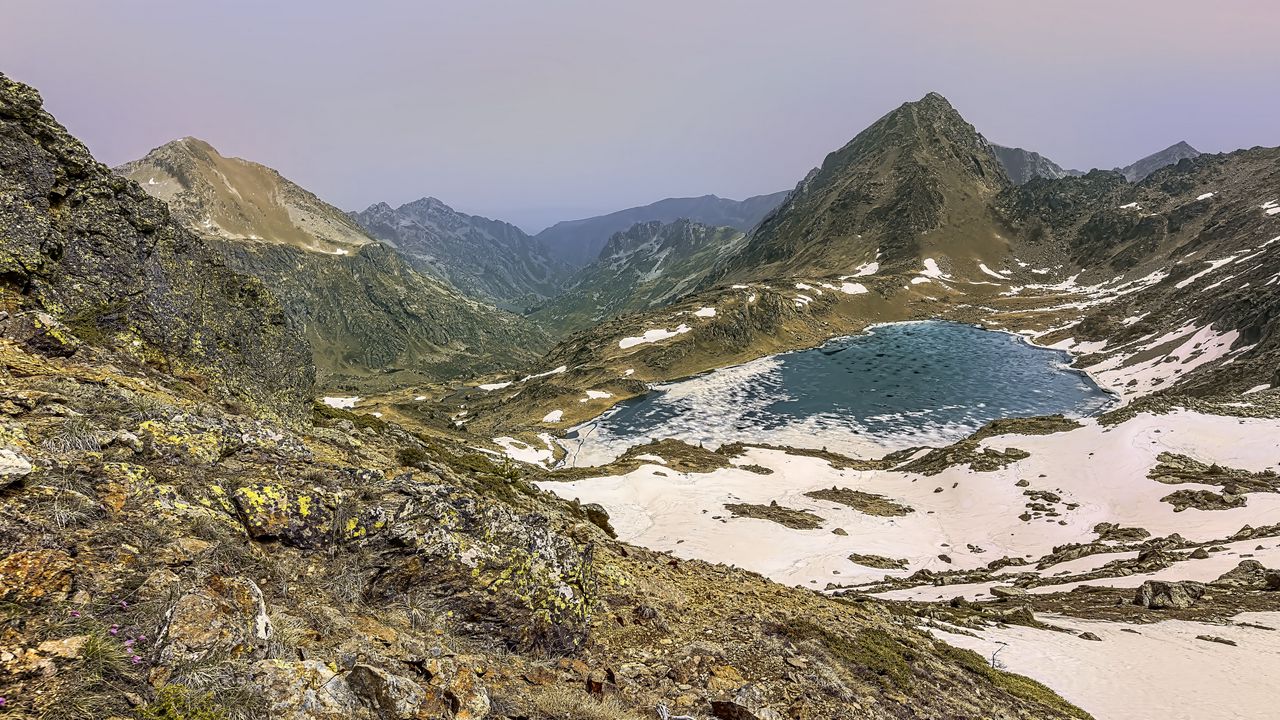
652, 336
342, 403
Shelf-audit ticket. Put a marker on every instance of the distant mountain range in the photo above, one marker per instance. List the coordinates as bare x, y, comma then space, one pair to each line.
1026, 165
648, 265
487, 259
579, 242
371, 319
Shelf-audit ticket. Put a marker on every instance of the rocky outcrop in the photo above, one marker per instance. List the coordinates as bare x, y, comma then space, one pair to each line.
102, 259
1160, 595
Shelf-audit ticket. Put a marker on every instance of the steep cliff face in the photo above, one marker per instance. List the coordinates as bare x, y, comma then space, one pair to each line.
1025, 165
490, 260
107, 264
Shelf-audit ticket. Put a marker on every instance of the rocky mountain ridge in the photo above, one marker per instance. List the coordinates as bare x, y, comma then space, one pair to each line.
1171, 155
488, 259
240, 200
1026, 165
646, 266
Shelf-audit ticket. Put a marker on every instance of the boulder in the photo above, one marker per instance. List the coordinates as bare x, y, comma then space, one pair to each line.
306, 690
390, 696
1006, 592
1249, 575
226, 616
1159, 595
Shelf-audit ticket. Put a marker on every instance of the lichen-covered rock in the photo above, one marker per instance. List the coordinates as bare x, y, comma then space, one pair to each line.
36, 576
304, 518
108, 266
543, 575
227, 616
390, 696
307, 690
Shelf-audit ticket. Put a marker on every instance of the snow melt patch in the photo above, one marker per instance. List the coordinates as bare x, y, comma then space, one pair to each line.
553, 371
705, 312
932, 270
1257, 389
983, 267
521, 451
596, 395
652, 336
1205, 196
342, 403
553, 416
1101, 470
1213, 265
1131, 206
864, 270
490, 387
1193, 679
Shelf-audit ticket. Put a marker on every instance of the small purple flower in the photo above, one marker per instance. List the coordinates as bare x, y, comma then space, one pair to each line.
128, 643
3, 702
142, 638
136, 660
124, 605
75, 613
115, 630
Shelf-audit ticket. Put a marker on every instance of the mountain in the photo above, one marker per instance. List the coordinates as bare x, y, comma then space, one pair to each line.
88, 257
170, 549
647, 266
488, 259
1149, 164
578, 242
373, 322
1025, 165
1169, 282
916, 170
240, 200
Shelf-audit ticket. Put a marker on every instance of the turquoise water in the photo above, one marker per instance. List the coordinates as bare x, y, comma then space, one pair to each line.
893, 386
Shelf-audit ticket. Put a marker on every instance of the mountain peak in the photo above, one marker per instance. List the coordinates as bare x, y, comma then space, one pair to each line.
240, 200
1171, 155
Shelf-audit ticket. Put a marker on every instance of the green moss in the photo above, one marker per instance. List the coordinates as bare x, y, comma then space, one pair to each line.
1019, 686
886, 658
175, 702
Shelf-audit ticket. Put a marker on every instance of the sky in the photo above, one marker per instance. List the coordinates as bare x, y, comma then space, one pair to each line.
534, 112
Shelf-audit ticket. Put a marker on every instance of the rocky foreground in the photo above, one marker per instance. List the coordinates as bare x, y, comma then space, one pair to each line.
183, 535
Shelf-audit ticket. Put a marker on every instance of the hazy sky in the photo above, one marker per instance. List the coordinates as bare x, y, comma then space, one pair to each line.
539, 110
